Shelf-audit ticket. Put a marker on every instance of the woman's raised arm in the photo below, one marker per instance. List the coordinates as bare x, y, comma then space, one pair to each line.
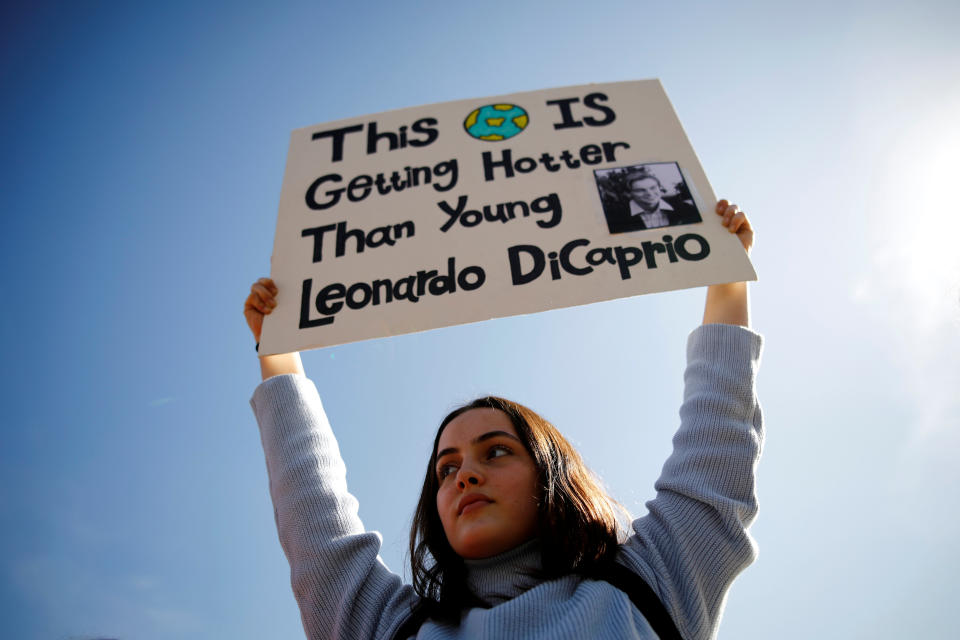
260, 302
730, 303
342, 587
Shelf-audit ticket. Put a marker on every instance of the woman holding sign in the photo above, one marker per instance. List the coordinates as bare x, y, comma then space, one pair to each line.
513, 537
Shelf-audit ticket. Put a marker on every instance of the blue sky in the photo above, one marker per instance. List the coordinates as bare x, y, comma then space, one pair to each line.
143, 153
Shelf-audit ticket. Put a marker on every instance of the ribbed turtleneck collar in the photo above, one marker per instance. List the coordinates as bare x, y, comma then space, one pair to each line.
505, 576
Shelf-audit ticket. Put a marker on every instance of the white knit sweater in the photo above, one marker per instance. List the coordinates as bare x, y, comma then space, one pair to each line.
688, 548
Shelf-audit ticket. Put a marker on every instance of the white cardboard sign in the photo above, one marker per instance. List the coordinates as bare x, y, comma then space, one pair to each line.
463, 211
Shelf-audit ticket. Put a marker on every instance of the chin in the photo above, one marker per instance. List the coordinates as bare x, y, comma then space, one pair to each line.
477, 546
477, 550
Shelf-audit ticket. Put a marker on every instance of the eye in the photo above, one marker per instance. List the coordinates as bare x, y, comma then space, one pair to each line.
497, 451
445, 470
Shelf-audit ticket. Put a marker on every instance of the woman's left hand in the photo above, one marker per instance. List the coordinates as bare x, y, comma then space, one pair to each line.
729, 303
736, 222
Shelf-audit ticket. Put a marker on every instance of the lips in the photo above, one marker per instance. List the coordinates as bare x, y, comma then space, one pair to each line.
470, 499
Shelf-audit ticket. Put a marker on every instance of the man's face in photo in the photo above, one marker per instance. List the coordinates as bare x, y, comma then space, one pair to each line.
646, 193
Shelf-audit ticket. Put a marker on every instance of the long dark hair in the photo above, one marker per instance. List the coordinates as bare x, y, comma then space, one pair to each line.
570, 501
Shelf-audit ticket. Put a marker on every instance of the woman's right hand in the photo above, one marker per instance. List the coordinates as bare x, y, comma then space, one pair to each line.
260, 302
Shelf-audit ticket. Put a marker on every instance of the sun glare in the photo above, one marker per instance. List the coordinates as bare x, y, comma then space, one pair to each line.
917, 258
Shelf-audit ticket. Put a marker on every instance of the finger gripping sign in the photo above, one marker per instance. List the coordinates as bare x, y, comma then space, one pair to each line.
463, 211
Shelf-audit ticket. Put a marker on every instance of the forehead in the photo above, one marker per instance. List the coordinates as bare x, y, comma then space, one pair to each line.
643, 183
470, 424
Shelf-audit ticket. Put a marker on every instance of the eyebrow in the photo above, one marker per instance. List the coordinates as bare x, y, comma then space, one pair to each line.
478, 440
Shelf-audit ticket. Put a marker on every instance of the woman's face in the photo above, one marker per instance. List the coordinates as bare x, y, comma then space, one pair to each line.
487, 499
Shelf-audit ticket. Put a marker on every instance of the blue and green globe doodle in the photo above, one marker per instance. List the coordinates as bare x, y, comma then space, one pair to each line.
496, 122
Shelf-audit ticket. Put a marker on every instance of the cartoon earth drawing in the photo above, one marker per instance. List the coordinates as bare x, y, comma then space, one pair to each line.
496, 122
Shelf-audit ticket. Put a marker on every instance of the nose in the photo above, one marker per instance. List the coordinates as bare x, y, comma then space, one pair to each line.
468, 476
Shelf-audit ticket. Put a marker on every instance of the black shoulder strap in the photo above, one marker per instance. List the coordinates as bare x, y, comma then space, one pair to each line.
643, 597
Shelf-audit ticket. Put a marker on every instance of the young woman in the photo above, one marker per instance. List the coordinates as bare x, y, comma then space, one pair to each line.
512, 537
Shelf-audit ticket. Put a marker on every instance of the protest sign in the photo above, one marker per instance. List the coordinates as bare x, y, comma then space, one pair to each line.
463, 211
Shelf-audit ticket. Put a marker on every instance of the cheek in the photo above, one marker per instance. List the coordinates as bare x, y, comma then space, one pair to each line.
525, 493
444, 502
536, 493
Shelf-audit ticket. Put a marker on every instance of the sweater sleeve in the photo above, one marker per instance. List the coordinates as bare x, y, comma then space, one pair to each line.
694, 541
341, 585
